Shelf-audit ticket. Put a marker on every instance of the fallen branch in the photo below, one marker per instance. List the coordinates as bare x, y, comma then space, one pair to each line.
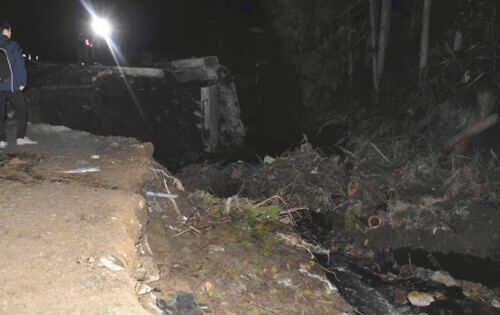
177, 183
191, 228
178, 234
171, 199
288, 213
381, 154
293, 210
269, 199
463, 137
494, 155
293, 240
348, 152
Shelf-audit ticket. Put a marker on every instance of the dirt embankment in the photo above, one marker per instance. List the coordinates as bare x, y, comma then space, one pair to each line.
80, 235
61, 230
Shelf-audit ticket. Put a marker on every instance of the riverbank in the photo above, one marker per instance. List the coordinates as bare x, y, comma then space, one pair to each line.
80, 235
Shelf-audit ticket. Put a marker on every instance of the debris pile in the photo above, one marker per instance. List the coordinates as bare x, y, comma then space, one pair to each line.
227, 255
375, 190
373, 195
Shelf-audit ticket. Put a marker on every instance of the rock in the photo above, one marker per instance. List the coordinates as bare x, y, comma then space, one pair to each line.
140, 274
420, 298
495, 303
215, 248
241, 286
287, 282
424, 274
444, 278
268, 159
433, 261
112, 263
154, 276
145, 289
182, 303
400, 296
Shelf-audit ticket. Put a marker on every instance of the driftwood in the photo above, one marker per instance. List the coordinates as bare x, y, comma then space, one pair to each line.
463, 137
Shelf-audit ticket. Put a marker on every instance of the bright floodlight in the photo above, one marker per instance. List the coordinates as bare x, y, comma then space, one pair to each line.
101, 27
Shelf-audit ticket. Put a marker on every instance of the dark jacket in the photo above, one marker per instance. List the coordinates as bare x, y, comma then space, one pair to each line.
16, 63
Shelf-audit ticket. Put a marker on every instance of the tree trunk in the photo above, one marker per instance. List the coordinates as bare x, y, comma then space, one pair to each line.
350, 61
374, 22
424, 41
457, 44
385, 24
413, 18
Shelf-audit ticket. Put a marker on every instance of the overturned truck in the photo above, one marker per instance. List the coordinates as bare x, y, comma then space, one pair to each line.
184, 108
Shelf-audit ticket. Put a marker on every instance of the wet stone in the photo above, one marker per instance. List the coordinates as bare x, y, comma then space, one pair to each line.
181, 303
495, 303
400, 296
444, 278
420, 298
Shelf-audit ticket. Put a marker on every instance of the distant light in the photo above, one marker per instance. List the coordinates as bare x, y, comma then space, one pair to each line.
101, 27
87, 42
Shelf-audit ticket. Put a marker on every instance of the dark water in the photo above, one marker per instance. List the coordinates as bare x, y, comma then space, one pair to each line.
372, 295
463, 267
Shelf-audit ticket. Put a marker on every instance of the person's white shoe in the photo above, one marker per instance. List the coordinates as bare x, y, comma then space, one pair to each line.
25, 140
3, 144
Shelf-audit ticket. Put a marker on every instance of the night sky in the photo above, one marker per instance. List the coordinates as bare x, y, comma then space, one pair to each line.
181, 28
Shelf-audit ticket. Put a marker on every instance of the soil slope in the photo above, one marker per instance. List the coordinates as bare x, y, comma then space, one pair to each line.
79, 236
58, 228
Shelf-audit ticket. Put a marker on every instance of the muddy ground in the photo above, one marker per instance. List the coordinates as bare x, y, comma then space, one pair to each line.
80, 235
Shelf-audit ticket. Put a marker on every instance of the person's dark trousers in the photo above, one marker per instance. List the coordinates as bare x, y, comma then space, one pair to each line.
17, 101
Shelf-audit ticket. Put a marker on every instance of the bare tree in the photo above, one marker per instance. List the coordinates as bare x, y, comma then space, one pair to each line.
350, 57
380, 26
374, 23
424, 41
383, 38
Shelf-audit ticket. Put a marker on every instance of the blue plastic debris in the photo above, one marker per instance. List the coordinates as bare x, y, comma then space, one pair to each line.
157, 194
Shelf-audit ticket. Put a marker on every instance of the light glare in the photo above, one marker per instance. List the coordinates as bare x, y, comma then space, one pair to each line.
101, 27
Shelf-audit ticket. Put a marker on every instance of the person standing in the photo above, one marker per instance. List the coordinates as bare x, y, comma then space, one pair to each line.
13, 87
